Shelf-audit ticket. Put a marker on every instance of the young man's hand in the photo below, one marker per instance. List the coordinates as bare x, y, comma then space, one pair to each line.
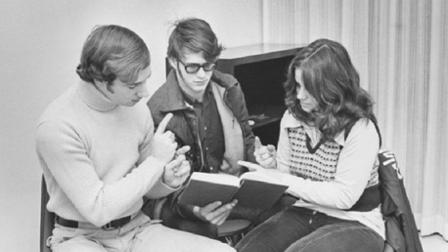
163, 145
265, 155
214, 213
178, 169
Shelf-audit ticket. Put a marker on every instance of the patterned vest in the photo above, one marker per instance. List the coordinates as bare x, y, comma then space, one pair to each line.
319, 163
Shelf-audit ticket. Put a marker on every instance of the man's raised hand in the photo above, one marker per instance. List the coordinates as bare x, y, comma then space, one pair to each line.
163, 144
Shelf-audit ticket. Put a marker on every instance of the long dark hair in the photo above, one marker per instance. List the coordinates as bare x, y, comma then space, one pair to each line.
330, 77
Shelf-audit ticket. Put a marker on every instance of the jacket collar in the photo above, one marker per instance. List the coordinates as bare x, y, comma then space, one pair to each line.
175, 99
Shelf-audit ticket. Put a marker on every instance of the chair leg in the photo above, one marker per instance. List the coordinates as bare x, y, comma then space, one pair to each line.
232, 240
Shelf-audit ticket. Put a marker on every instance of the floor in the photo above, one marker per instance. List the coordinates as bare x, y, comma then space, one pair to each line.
434, 243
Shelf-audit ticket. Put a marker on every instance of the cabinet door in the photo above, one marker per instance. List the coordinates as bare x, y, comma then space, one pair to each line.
261, 71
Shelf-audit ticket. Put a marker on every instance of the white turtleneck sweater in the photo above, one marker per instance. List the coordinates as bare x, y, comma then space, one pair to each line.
96, 158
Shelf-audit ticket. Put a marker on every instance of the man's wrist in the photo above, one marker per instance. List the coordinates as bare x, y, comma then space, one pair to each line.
169, 184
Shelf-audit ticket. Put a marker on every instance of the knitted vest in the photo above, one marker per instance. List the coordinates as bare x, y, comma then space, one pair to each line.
320, 164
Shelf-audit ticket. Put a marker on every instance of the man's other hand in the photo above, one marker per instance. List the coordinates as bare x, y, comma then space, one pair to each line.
177, 170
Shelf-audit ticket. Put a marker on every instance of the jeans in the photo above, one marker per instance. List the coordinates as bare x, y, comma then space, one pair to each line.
140, 234
301, 229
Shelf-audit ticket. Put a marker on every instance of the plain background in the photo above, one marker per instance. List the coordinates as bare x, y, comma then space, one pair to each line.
40, 47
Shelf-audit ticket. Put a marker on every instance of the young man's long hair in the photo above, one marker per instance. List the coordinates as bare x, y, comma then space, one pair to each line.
331, 79
196, 36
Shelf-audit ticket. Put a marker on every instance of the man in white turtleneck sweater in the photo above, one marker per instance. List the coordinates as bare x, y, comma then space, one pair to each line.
100, 155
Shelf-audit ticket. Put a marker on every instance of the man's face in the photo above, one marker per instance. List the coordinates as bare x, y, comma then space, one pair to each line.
127, 94
193, 73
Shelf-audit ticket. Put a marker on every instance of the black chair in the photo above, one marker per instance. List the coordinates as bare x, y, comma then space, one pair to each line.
401, 230
46, 218
233, 230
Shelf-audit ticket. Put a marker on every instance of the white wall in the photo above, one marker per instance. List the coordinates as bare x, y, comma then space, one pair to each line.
39, 49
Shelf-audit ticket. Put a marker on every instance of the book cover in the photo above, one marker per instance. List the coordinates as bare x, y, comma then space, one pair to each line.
252, 190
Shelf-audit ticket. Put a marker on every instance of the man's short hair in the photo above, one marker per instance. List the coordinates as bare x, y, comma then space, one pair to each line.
194, 35
111, 52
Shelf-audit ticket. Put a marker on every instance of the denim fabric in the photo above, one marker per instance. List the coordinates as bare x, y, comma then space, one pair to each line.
300, 229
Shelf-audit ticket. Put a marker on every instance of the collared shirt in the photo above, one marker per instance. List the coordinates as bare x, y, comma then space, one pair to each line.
207, 129
355, 168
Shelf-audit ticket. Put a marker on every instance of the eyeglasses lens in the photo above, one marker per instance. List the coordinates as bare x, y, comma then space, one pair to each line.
194, 68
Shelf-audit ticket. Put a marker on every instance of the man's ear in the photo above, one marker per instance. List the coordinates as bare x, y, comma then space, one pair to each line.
102, 85
173, 62
98, 83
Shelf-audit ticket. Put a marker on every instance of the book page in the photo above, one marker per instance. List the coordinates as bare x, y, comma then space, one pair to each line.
268, 176
216, 178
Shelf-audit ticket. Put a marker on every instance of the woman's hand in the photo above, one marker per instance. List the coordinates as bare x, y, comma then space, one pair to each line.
251, 166
265, 155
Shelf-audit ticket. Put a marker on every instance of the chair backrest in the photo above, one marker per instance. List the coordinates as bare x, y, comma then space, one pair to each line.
46, 218
401, 230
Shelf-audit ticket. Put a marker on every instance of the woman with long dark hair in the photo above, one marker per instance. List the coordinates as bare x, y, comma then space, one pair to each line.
326, 153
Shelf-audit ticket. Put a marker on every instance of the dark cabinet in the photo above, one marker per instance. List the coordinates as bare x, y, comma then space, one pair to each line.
261, 70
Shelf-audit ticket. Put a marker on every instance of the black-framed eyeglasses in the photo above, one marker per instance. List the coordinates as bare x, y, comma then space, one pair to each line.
192, 68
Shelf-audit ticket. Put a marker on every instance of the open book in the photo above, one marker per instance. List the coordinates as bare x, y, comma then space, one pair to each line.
252, 189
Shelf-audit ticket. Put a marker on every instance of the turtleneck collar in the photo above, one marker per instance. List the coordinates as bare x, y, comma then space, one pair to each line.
94, 98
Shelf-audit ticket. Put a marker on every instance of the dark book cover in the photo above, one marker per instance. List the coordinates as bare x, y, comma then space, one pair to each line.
201, 193
258, 194
250, 191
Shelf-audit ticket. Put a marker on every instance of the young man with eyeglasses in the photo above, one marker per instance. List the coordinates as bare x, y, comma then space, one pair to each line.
209, 114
